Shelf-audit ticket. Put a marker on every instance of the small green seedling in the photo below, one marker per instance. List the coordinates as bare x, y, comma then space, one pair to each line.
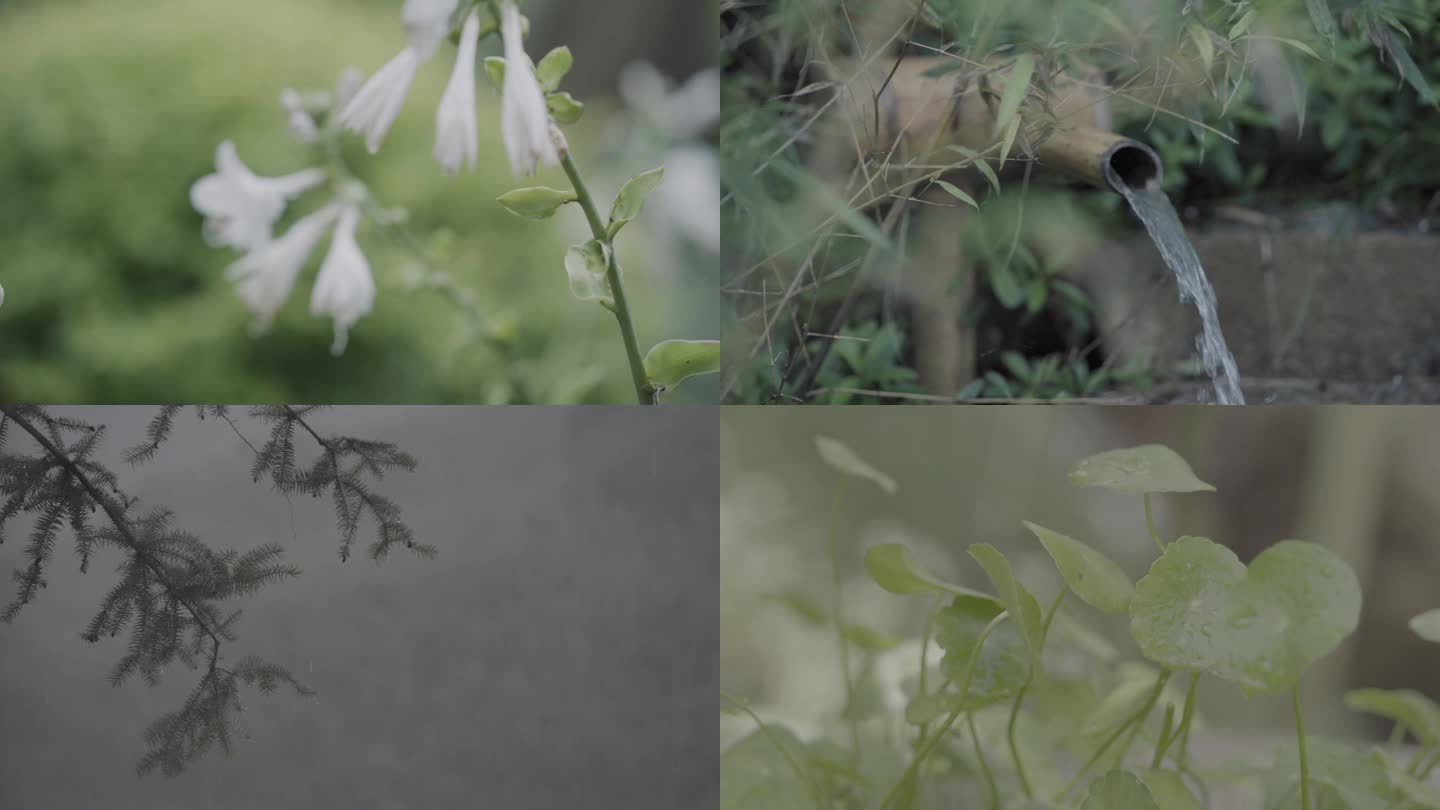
1198, 613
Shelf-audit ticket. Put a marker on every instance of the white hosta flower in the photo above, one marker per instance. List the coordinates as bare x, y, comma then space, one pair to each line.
689, 199
377, 103
264, 276
375, 106
524, 119
455, 137
240, 208
344, 290
298, 117
427, 22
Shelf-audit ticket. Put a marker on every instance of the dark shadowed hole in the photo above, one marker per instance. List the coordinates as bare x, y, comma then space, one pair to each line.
1134, 166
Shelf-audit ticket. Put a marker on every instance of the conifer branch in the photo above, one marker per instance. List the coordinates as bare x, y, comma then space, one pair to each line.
171, 582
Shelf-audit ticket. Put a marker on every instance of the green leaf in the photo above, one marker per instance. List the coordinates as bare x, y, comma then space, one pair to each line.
585, 265
1341, 776
1239, 28
1017, 84
757, 773
564, 108
670, 362
536, 202
839, 455
1008, 140
1138, 470
869, 639
957, 193
495, 72
632, 197
1203, 46
924, 709
803, 606
1001, 666
1168, 789
1412, 789
1414, 710
1136, 683
1004, 285
1118, 790
1323, 20
892, 569
552, 67
1199, 609
1386, 39
1024, 609
1427, 625
1095, 578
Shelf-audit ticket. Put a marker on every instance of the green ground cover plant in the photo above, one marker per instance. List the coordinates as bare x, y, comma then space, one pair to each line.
1029, 707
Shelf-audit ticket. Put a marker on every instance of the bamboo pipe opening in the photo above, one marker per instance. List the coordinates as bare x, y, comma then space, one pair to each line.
1134, 165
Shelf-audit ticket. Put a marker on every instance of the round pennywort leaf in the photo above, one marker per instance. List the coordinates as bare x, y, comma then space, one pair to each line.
1138, 471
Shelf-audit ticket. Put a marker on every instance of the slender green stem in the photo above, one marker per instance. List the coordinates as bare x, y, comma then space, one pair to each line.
643, 390
925, 663
1150, 524
1131, 723
909, 775
1416, 761
1397, 736
1144, 715
837, 616
1020, 696
984, 766
815, 792
1304, 754
1428, 767
434, 277
1163, 742
1182, 731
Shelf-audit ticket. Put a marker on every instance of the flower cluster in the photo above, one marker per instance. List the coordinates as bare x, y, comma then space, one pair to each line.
241, 208
524, 117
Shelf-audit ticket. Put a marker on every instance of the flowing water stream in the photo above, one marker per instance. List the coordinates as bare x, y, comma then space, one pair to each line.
1155, 211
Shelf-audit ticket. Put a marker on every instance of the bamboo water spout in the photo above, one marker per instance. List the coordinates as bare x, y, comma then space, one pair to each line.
917, 115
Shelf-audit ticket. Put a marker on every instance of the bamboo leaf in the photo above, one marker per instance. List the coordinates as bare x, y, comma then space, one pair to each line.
1016, 85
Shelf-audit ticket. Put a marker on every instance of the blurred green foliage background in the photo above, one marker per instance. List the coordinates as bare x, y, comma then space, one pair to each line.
113, 109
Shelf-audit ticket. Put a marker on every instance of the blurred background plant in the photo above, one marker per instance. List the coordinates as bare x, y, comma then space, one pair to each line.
1261, 111
1354, 480
114, 109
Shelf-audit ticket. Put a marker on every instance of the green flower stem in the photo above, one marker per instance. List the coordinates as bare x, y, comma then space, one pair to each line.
1304, 755
1020, 696
1132, 723
925, 663
993, 788
1164, 742
1182, 732
435, 277
1425, 770
815, 792
621, 309
1150, 524
837, 608
914, 767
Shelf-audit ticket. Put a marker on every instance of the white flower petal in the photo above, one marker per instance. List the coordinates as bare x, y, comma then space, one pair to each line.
427, 22
264, 276
377, 103
456, 139
689, 199
524, 119
241, 208
293, 185
345, 289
